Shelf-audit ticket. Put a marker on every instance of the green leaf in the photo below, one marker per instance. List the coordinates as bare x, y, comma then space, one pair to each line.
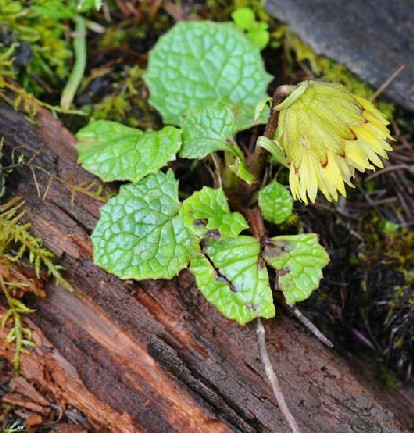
261, 107
389, 227
104, 132
200, 63
210, 130
86, 5
237, 165
207, 210
116, 152
245, 116
54, 9
275, 202
256, 31
273, 147
229, 275
259, 35
299, 260
140, 233
207, 131
243, 18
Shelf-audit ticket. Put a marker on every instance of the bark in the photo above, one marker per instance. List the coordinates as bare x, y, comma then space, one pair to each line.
153, 356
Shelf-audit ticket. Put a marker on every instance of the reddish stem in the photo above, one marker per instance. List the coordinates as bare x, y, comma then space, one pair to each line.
259, 158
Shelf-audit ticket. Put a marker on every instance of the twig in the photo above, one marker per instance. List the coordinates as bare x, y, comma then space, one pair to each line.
407, 167
272, 378
312, 328
387, 82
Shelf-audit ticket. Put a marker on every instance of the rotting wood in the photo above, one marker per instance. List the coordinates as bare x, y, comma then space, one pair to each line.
50, 372
153, 356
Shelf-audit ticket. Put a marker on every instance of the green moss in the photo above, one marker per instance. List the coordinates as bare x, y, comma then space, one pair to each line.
389, 378
387, 300
120, 33
126, 102
42, 51
17, 245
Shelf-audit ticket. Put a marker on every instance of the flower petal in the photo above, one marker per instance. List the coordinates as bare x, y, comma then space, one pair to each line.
327, 133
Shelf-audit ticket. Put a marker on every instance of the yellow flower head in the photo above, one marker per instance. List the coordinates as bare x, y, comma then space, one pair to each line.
327, 132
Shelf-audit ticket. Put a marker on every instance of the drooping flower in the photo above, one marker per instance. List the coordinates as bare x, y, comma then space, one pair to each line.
327, 133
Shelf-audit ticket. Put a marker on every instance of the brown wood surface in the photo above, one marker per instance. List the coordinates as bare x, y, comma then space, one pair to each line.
153, 356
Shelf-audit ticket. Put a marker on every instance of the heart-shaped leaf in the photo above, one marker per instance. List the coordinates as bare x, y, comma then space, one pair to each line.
229, 274
140, 233
116, 152
207, 131
275, 202
207, 210
299, 260
200, 63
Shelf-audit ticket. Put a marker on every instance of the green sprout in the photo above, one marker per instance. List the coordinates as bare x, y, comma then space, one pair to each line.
257, 31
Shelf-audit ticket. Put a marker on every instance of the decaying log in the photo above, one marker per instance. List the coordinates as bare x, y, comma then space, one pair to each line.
153, 356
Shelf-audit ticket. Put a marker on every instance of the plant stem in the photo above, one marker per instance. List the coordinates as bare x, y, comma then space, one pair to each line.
312, 328
240, 193
256, 223
272, 378
75, 78
259, 158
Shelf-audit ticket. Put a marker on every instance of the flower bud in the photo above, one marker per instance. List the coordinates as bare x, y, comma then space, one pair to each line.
327, 133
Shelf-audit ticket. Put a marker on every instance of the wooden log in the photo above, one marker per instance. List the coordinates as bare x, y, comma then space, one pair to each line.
153, 356
373, 38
